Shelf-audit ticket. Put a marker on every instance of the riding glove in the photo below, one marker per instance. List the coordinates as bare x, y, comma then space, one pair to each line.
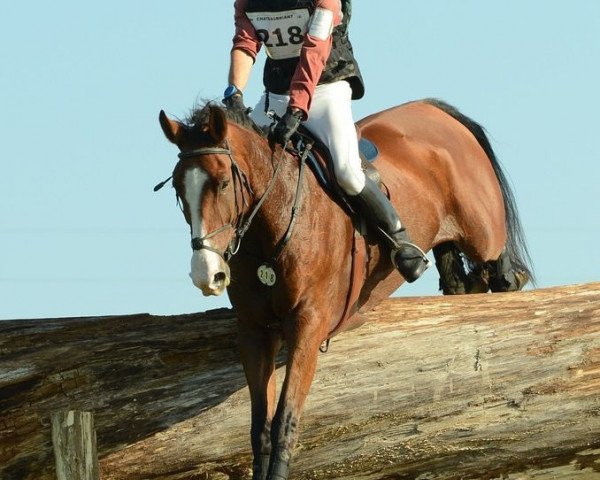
286, 126
235, 102
234, 99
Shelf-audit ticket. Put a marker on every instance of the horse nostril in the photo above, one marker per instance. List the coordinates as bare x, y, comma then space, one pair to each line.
220, 277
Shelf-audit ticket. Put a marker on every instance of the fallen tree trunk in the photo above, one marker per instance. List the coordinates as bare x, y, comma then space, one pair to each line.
440, 387
139, 374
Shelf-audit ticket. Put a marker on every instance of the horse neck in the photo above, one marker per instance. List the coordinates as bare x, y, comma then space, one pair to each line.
260, 164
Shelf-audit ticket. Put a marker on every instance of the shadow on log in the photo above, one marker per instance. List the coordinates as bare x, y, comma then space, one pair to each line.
483, 386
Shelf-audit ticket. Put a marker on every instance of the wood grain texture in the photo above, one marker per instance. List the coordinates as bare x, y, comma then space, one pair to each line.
482, 387
139, 374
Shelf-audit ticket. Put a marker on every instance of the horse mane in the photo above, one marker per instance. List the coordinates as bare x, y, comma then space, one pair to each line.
200, 113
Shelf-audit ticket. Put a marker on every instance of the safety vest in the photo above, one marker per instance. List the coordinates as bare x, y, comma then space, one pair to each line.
281, 26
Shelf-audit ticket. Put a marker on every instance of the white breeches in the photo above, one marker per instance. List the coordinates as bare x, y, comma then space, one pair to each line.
330, 120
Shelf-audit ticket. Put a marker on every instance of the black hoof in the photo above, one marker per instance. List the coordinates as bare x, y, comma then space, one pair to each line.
509, 282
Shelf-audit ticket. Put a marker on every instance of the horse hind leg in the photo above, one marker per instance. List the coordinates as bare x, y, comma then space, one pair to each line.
504, 277
458, 274
453, 277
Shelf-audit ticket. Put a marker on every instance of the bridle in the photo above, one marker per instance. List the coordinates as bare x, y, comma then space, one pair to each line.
241, 187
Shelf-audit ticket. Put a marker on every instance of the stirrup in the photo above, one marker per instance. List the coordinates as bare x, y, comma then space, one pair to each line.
412, 267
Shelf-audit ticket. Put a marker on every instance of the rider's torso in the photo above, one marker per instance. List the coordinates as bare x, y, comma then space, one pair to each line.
282, 25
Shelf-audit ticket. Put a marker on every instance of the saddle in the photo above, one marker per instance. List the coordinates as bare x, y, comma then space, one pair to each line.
320, 162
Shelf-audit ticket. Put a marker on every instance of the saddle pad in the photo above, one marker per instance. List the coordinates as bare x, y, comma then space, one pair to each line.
368, 150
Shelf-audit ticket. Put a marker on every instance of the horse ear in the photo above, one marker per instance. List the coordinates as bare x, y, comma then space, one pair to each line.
217, 124
173, 130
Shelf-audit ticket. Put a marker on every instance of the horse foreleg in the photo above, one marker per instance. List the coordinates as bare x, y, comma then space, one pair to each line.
303, 338
258, 350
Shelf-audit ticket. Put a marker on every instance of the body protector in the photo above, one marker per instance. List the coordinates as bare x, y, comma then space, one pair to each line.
282, 25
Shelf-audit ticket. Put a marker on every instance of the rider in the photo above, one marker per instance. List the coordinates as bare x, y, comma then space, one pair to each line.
310, 77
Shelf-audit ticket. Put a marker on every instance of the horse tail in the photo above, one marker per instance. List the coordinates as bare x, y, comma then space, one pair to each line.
516, 246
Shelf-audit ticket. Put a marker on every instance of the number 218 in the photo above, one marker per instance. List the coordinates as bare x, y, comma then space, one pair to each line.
295, 37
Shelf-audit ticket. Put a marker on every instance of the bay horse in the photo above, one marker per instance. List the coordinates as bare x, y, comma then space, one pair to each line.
240, 194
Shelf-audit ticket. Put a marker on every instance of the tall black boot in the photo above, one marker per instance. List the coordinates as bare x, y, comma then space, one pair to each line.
376, 208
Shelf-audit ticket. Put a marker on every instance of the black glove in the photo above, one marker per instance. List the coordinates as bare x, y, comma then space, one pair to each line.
286, 126
234, 99
235, 102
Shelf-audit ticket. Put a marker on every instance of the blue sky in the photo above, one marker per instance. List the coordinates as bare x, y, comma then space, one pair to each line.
81, 85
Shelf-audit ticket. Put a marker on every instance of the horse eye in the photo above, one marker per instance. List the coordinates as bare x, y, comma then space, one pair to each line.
223, 185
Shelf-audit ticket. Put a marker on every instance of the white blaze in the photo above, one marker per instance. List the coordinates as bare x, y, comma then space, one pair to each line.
205, 264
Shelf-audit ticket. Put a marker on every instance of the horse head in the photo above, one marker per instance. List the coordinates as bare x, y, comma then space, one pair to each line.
211, 189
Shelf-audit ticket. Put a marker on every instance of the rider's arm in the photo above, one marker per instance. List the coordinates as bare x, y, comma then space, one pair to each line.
240, 68
314, 55
245, 47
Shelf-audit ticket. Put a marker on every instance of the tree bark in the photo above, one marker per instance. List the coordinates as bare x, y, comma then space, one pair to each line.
481, 386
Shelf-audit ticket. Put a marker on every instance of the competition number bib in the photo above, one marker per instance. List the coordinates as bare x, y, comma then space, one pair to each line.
281, 32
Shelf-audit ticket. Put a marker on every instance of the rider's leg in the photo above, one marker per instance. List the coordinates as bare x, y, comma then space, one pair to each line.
407, 257
330, 119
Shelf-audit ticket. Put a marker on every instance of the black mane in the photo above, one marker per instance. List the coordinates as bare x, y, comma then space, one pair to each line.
199, 116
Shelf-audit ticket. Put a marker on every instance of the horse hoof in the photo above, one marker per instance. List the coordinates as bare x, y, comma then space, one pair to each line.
453, 289
510, 282
521, 279
477, 284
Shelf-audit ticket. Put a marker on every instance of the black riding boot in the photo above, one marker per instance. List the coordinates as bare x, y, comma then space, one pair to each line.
376, 208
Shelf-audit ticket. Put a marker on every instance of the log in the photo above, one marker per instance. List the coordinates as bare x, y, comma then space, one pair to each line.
481, 386
138, 374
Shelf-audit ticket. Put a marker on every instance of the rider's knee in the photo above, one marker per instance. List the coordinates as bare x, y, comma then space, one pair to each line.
352, 183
